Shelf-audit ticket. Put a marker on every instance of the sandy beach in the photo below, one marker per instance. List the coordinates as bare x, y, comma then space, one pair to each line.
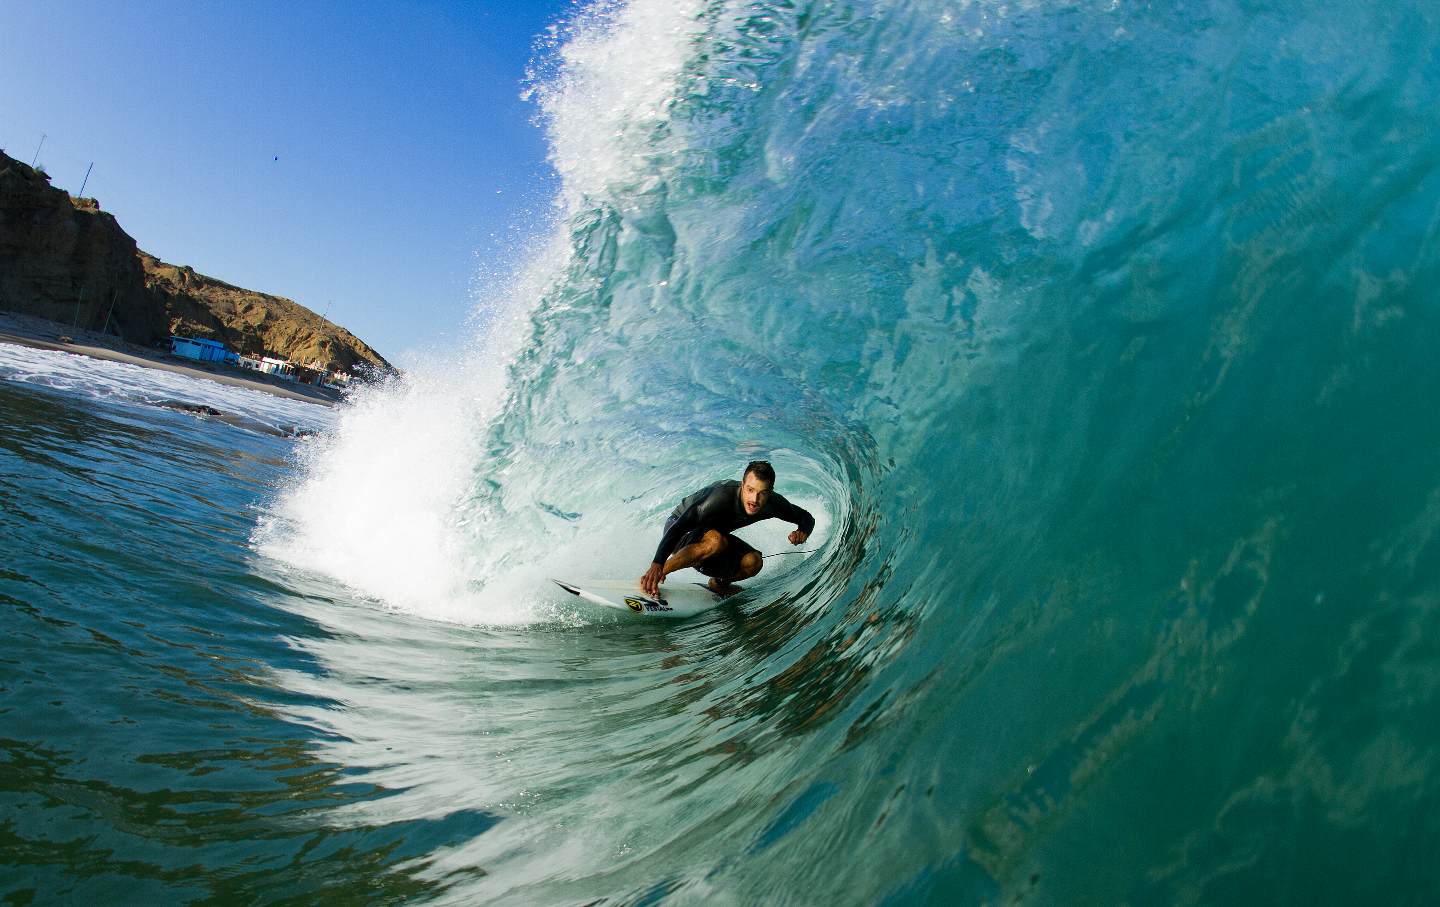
27, 330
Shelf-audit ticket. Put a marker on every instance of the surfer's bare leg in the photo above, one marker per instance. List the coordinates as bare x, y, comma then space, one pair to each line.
710, 544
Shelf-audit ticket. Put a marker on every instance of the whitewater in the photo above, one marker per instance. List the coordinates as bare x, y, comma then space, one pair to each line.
1100, 339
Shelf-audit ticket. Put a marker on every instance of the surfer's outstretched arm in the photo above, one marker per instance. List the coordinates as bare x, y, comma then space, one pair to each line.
793, 513
710, 545
675, 529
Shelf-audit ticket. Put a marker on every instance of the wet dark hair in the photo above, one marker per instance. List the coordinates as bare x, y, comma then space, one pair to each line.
762, 470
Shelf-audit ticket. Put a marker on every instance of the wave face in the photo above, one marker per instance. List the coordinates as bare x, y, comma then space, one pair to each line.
1102, 339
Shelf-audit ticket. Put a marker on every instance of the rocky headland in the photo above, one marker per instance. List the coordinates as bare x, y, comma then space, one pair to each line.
65, 260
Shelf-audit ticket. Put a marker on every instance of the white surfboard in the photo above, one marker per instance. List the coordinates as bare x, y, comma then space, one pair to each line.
676, 599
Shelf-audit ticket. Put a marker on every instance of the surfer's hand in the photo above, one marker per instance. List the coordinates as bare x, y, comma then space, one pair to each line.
798, 538
650, 582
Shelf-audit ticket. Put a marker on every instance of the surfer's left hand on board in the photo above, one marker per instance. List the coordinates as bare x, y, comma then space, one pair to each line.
798, 538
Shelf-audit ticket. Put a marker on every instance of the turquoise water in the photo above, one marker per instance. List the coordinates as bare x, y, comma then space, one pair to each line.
1101, 339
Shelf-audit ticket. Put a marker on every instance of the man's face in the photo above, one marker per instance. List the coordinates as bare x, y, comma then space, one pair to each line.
754, 492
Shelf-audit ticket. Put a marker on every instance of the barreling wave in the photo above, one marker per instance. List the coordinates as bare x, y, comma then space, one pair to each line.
1087, 329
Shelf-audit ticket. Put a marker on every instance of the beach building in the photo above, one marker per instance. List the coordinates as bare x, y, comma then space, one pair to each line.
201, 349
277, 367
307, 375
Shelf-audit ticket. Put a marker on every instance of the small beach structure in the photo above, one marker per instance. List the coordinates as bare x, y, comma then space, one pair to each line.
201, 349
277, 367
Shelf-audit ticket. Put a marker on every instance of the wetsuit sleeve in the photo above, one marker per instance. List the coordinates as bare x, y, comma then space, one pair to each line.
791, 513
688, 519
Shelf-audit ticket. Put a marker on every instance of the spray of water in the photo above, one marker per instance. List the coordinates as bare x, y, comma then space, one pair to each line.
405, 499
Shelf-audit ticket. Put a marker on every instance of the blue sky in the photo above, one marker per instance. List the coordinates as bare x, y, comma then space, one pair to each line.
369, 160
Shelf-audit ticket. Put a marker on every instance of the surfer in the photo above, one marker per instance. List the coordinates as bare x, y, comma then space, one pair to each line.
697, 533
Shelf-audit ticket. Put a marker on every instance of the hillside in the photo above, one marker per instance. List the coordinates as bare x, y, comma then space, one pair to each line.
249, 322
64, 259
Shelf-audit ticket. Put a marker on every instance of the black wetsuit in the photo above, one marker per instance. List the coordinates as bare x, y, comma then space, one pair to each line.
719, 507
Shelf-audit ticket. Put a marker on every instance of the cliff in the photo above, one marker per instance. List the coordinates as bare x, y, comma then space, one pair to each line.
64, 259
68, 260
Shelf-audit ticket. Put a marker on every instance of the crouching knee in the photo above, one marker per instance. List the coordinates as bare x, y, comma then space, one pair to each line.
712, 543
750, 564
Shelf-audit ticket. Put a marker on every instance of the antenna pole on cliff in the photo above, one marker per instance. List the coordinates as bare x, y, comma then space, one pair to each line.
113, 296
81, 193
37, 151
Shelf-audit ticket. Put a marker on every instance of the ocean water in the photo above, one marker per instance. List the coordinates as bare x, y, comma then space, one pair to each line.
1100, 337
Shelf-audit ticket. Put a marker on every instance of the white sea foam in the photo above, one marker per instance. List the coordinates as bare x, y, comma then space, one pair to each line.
385, 502
375, 504
103, 379
615, 81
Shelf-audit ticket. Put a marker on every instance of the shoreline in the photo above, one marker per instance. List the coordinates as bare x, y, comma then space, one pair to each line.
38, 333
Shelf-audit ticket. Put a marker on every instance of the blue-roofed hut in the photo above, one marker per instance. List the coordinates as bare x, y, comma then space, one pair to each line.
201, 349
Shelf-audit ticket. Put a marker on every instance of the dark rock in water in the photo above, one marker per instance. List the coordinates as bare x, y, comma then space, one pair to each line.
245, 422
197, 408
